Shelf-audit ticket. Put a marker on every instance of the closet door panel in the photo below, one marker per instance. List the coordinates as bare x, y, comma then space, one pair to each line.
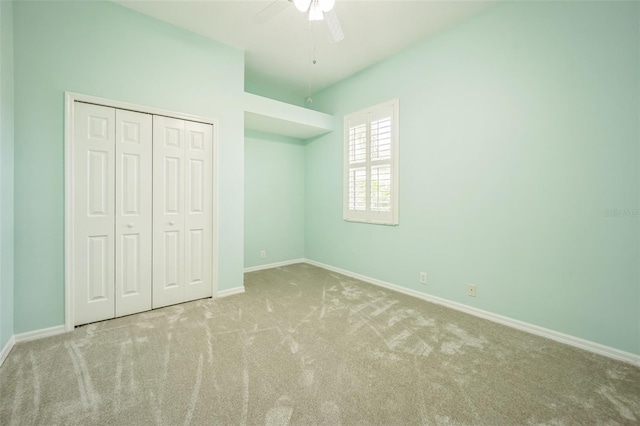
93, 212
199, 210
168, 211
133, 212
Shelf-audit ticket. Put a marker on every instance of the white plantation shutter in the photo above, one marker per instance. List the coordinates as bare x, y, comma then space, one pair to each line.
357, 189
357, 165
371, 171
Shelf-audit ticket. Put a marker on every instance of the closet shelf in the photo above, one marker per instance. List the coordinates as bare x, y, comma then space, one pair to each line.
271, 116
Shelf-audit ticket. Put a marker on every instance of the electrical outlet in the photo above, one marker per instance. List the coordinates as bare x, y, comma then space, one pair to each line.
471, 290
423, 277
263, 254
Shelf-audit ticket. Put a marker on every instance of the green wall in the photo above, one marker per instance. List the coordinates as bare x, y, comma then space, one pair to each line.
103, 49
278, 91
519, 129
274, 198
6, 172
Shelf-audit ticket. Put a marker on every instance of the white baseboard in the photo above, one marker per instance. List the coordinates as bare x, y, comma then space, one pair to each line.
230, 292
25, 337
39, 334
274, 265
7, 348
510, 322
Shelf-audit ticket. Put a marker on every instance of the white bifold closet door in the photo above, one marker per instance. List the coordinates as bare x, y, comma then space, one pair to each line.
112, 234
133, 212
183, 211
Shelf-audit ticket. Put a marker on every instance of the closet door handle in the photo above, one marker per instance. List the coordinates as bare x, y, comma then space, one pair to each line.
172, 223
129, 225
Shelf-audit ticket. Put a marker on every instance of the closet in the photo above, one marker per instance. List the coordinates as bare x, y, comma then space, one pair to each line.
142, 211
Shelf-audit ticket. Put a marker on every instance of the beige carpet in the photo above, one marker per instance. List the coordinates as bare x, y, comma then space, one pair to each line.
307, 346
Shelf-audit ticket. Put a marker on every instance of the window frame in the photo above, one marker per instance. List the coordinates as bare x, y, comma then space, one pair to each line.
367, 116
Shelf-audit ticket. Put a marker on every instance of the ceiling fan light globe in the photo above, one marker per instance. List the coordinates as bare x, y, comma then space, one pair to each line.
302, 5
326, 5
315, 13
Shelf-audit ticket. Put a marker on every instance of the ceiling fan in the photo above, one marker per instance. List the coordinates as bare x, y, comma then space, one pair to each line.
318, 10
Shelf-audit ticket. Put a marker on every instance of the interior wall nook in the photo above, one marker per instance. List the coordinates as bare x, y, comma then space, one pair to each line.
139, 209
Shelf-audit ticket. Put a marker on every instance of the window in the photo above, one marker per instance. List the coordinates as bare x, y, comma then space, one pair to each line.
371, 165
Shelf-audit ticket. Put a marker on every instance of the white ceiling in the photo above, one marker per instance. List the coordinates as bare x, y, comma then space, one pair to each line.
278, 51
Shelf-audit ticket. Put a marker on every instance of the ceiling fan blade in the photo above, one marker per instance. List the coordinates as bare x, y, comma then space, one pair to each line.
266, 14
336, 35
